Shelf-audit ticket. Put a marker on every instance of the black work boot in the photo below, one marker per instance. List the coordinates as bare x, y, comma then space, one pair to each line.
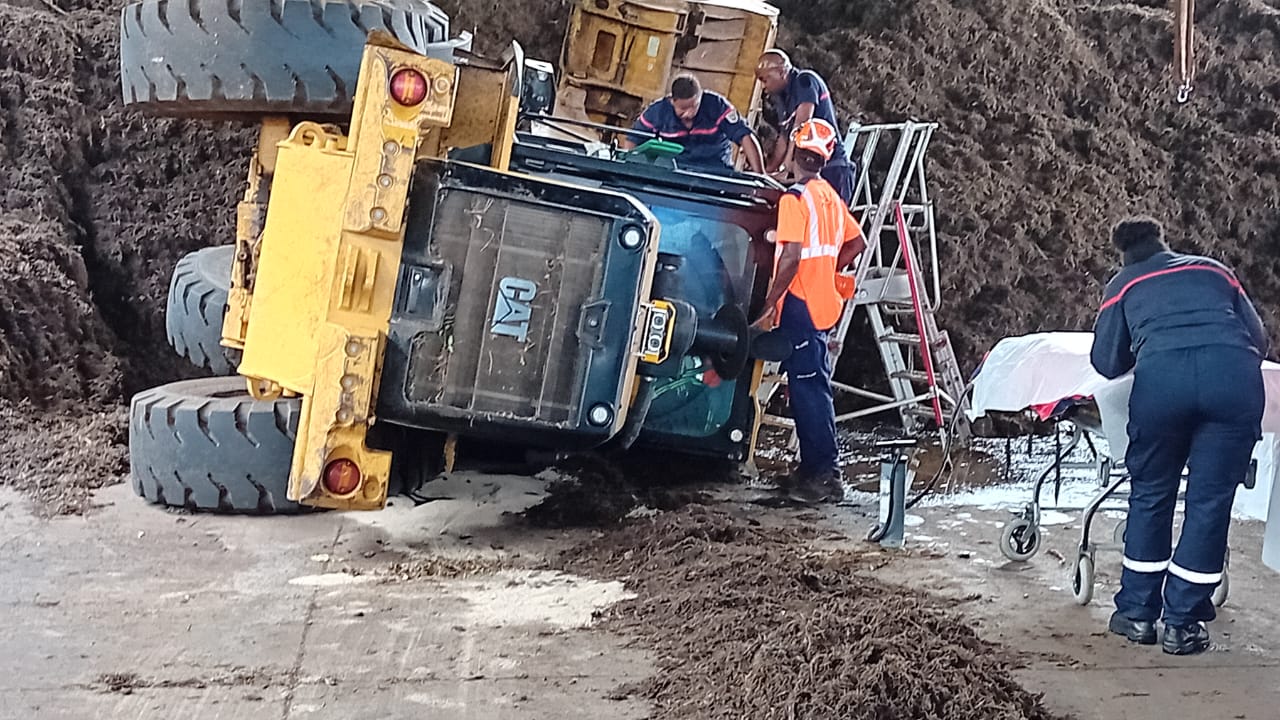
812, 490
1142, 632
1185, 639
835, 487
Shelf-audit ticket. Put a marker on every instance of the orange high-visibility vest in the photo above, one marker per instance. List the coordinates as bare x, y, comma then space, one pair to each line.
812, 214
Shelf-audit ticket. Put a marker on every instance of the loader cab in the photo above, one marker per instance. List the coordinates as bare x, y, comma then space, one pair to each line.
715, 225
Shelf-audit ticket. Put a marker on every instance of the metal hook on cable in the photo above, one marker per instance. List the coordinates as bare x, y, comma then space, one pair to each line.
1184, 47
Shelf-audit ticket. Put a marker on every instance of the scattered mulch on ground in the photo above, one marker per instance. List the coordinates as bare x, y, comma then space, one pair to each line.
58, 461
443, 568
750, 618
596, 490
125, 683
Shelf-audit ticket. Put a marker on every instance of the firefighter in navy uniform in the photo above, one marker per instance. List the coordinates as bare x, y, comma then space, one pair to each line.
816, 238
1185, 327
705, 123
799, 96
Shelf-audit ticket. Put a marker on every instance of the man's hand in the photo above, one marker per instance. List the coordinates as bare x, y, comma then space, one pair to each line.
766, 321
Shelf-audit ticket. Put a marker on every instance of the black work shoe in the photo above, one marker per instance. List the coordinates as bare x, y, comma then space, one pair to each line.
1185, 639
1142, 632
811, 490
835, 488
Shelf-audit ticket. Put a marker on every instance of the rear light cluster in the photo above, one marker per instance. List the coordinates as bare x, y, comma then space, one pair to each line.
409, 87
341, 477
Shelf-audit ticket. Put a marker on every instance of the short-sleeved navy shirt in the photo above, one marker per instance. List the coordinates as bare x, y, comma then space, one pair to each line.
806, 86
708, 144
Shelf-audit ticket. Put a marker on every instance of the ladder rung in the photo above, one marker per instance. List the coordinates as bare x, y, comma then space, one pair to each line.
897, 309
912, 375
921, 411
907, 339
901, 338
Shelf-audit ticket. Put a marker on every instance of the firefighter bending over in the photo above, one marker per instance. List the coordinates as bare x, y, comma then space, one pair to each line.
705, 123
816, 238
1185, 327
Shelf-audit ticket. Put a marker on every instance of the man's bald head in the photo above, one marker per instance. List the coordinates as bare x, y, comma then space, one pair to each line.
773, 70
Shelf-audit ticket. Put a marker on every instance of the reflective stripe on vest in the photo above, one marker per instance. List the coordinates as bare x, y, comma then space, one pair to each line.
814, 247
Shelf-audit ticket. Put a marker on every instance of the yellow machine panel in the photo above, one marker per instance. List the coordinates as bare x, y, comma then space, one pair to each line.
730, 36
292, 293
620, 55
328, 267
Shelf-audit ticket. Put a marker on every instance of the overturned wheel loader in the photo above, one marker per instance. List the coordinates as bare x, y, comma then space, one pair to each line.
411, 267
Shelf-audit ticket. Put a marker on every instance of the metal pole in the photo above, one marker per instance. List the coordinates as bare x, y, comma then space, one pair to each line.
1184, 47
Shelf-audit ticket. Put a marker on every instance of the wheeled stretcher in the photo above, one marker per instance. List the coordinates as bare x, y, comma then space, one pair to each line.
1050, 372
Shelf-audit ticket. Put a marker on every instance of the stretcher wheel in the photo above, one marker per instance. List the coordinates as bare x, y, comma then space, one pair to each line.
1021, 540
1117, 535
1219, 596
1082, 584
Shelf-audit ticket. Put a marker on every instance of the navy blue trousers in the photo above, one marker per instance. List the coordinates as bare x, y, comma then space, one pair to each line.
809, 389
1199, 408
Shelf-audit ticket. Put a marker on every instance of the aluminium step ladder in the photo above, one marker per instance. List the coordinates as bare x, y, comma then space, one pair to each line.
897, 288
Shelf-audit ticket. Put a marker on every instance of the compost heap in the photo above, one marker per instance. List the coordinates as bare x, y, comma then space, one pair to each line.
1056, 119
752, 618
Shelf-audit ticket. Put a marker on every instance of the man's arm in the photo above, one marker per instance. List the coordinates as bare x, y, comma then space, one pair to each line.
736, 129
850, 250
751, 149
1112, 351
643, 127
804, 113
788, 267
1252, 323
854, 242
792, 224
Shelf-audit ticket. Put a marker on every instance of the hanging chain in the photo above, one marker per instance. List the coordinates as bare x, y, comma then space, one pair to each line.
1184, 47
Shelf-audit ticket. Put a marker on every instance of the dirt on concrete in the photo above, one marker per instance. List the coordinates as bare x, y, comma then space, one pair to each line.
598, 490
751, 616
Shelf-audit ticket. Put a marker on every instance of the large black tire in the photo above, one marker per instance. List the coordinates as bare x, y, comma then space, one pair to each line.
253, 57
206, 445
197, 301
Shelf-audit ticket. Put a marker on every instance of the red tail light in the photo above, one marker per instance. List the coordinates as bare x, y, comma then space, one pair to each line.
408, 87
341, 477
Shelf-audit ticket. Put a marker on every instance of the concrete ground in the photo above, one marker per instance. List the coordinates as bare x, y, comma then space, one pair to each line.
135, 612
1081, 669
440, 612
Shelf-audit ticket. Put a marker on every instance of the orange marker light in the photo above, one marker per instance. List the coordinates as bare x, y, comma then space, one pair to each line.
341, 477
409, 87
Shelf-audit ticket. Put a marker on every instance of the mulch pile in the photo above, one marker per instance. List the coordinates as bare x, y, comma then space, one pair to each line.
750, 618
59, 460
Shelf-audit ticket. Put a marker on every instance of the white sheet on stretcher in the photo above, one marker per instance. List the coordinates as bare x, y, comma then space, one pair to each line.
1021, 372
